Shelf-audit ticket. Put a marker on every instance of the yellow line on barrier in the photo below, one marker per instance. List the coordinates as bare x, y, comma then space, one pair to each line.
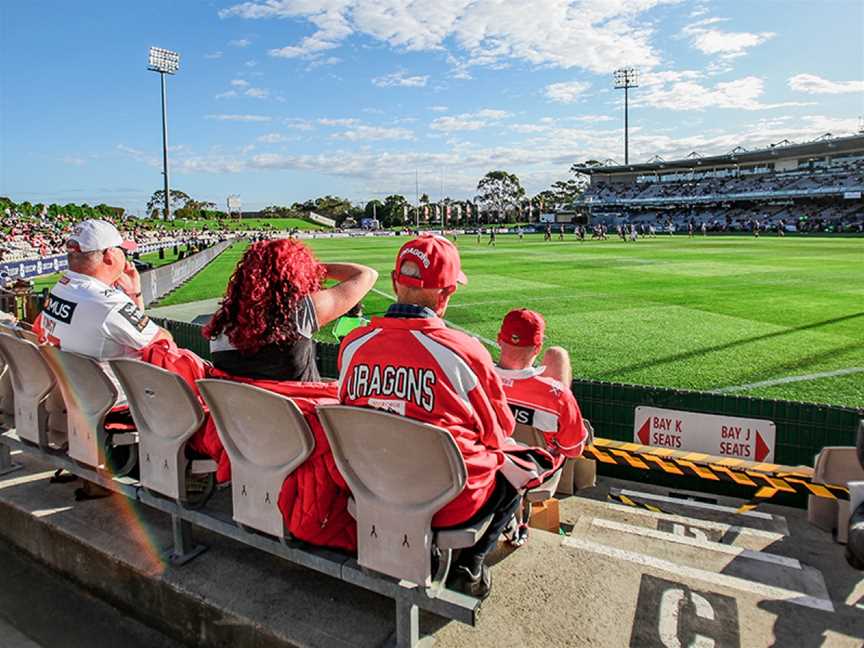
700, 472
665, 466
738, 478
630, 459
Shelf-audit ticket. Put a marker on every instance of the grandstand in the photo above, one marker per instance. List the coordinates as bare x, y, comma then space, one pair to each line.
810, 187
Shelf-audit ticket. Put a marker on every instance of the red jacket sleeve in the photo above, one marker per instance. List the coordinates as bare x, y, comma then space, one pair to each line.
570, 438
489, 401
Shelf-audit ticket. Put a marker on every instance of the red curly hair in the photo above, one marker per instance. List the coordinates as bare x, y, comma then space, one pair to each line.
263, 293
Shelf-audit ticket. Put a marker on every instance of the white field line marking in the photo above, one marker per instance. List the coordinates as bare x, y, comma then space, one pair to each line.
697, 522
696, 504
484, 340
741, 552
790, 379
723, 580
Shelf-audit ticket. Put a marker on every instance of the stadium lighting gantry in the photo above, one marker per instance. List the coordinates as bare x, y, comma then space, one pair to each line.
626, 78
164, 62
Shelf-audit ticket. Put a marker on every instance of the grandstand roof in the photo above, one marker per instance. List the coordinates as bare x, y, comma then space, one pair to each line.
825, 145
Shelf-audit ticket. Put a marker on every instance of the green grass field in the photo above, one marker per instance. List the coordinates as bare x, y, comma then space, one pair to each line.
245, 223
703, 313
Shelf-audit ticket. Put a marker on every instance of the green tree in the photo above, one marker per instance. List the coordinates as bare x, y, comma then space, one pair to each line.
501, 191
394, 210
178, 200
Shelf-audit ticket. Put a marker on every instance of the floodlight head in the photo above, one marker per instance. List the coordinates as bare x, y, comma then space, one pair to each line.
163, 60
626, 77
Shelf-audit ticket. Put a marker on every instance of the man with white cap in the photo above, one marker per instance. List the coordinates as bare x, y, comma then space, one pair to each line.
95, 308
410, 363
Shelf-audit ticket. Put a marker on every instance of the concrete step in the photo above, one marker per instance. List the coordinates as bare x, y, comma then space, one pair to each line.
770, 575
706, 510
734, 534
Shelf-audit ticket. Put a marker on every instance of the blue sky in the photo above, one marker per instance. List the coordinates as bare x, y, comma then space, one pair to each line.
283, 100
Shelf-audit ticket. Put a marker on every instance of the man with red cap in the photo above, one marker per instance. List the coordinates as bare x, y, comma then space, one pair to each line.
540, 397
95, 308
409, 363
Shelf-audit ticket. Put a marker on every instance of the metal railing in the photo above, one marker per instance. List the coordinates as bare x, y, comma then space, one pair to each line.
802, 429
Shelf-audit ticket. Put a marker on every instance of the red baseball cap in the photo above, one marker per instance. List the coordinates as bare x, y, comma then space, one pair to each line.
438, 260
522, 327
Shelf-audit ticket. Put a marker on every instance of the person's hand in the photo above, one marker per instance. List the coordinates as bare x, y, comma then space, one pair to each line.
129, 281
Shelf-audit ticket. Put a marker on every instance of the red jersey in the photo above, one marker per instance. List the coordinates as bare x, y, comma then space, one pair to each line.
546, 405
418, 368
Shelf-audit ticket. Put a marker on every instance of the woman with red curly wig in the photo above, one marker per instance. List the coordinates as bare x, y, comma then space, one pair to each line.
273, 306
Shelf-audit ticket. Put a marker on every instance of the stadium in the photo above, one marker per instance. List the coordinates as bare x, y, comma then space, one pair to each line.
449, 373
805, 187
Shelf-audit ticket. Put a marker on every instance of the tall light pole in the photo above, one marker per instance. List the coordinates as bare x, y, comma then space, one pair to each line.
626, 78
164, 62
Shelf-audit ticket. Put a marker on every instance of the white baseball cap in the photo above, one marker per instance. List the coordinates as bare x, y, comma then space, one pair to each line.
92, 235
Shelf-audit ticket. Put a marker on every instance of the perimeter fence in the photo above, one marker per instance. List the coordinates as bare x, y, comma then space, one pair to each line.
802, 429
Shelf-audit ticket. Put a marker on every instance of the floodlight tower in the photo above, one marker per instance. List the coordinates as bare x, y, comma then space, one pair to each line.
164, 62
626, 78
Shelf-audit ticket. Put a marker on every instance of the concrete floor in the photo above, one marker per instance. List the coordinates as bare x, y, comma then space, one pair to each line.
621, 576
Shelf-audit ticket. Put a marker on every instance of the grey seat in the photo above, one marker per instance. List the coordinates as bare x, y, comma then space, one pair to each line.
834, 465
266, 438
166, 413
401, 473
576, 473
7, 397
40, 416
89, 395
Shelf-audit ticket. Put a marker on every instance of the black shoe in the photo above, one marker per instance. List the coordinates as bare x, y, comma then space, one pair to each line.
477, 584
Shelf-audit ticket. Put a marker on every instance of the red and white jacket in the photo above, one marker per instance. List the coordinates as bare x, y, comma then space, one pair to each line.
546, 405
418, 368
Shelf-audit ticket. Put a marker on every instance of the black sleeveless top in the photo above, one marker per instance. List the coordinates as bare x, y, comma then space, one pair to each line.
290, 361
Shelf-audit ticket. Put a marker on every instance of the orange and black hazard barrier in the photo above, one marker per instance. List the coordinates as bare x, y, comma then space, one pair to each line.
769, 479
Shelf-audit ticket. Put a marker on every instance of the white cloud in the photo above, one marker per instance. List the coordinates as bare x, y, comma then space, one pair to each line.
725, 44
251, 64
271, 138
566, 92
597, 35
240, 42
319, 62
468, 121
529, 128
400, 80
592, 118
299, 124
539, 159
239, 83
363, 133
741, 94
227, 94
438, 108
213, 55
239, 118
73, 160
812, 84
257, 93
342, 121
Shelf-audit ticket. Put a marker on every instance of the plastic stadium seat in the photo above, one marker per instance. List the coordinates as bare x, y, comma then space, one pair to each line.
401, 473
89, 395
166, 413
576, 473
7, 397
266, 438
40, 416
833, 465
